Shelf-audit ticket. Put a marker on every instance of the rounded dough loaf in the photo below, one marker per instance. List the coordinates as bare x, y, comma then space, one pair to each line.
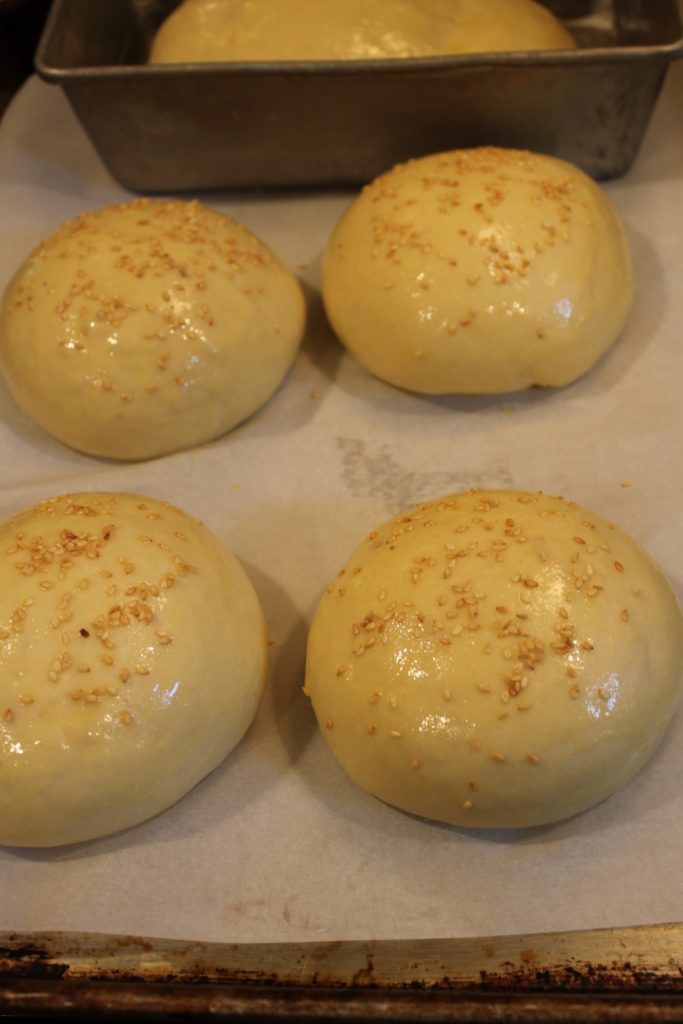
495, 659
133, 655
148, 327
236, 30
479, 271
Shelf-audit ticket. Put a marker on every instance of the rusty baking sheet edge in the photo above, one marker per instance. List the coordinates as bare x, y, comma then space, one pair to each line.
631, 973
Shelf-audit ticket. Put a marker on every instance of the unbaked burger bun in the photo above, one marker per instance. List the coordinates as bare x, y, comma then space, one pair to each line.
238, 30
133, 653
479, 271
148, 327
495, 659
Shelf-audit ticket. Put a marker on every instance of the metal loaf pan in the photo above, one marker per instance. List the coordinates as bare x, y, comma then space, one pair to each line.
190, 127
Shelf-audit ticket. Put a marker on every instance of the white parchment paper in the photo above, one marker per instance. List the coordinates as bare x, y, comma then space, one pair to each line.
277, 844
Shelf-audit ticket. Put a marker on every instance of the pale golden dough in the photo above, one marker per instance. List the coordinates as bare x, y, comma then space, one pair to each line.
495, 659
133, 654
257, 30
479, 271
148, 327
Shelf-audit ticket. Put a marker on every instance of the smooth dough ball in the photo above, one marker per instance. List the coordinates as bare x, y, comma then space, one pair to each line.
479, 271
495, 659
234, 30
148, 327
133, 654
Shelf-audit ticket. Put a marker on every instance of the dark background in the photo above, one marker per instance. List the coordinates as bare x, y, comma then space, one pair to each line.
21, 22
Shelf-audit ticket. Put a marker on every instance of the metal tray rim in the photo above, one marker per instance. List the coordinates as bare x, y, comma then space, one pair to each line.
414, 65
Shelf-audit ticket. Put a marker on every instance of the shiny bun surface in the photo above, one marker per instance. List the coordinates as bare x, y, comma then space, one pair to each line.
495, 659
479, 271
148, 327
133, 655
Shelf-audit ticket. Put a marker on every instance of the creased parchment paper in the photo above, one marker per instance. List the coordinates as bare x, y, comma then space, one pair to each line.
277, 844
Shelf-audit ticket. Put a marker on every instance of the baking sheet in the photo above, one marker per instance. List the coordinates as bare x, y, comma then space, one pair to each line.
277, 844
